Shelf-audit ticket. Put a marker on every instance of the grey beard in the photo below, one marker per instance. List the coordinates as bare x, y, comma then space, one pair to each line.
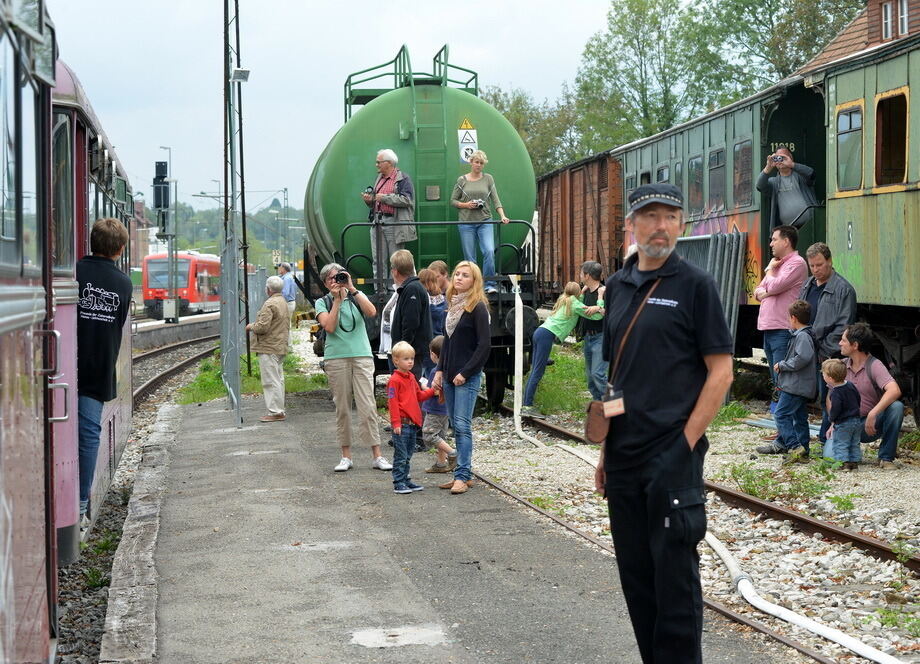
656, 252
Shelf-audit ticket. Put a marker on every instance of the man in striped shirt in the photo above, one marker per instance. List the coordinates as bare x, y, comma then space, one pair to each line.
392, 204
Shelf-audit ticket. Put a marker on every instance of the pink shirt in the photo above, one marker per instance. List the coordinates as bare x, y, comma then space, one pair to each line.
782, 286
868, 397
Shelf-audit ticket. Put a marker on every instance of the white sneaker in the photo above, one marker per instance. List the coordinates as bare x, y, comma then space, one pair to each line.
344, 465
381, 463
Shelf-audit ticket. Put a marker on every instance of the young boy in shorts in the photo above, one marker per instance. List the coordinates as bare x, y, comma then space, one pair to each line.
434, 429
403, 397
843, 412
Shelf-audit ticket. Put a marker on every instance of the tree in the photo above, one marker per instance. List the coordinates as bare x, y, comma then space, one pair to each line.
772, 39
657, 63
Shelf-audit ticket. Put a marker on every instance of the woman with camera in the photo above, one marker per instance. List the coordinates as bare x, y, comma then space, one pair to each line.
467, 343
475, 196
349, 364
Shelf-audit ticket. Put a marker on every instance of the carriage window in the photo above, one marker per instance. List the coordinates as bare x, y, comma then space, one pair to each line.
886, 20
717, 180
62, 203
645, 178
158, 273
31, 233
849, 149
663, 174
742, 173
630, 183
902, 17
695, 184
891, 140
678, 175
8, 250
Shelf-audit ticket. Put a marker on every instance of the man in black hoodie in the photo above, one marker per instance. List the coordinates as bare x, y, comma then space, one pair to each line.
105, 295
412, 317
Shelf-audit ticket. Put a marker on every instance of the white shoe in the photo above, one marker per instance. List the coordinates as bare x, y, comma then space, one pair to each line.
344, 465
381, 463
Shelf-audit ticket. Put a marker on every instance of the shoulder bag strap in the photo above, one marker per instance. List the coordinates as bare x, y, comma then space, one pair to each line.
616, 360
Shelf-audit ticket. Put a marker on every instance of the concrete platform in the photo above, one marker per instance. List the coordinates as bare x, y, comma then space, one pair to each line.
264, 554
155, 333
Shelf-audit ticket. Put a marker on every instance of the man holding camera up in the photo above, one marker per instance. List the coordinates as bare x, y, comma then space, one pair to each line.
792, 190
391, 201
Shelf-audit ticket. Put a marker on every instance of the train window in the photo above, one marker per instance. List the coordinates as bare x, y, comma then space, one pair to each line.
679, 175
9, 251
62, 194
717, 180
891, 140
630, 183
31, 232
902, 17
158, 273
743, 173
663, 174
886, 20
849, 149
645, 178
695, 184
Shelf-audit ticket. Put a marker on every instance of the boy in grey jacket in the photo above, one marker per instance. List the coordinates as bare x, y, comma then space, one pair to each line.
797, 381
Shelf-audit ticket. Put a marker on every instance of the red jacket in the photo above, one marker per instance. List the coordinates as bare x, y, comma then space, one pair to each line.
403, 397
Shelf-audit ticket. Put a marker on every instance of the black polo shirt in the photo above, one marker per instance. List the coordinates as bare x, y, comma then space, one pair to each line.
661, 370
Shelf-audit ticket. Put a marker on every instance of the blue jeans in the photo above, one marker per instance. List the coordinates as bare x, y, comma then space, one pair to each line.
403, 447
460, 402
775, 343
542, 344
469, 233
887, 427
595, 367
845, 442
791, 419
89, 412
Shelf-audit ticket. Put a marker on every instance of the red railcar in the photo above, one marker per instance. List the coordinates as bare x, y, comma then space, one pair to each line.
197, 280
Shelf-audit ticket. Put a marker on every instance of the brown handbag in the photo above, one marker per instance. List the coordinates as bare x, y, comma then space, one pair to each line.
597, 425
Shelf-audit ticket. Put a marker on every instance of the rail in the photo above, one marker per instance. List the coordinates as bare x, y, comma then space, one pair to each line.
441, 68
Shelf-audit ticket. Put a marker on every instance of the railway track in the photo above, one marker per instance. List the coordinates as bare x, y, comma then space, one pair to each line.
153, 379
872, 546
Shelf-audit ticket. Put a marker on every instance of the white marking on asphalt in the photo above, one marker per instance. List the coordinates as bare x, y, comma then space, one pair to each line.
251, 453
279, 490
318, 546
408, 635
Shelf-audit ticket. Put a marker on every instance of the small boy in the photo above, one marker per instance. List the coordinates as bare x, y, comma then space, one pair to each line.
843, 412
403, 397
797, 382
434, 429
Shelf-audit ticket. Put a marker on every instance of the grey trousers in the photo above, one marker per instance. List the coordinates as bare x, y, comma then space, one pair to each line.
387, 246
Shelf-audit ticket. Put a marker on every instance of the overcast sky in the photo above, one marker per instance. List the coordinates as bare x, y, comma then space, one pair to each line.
153, 72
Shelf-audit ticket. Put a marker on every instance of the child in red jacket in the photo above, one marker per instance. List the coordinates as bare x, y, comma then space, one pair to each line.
403, 397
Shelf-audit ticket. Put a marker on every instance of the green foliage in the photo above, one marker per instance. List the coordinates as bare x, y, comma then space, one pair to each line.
547, 503
770, 483
844, 502
910, 441
107, 543
728, 414
899, 619
563, 389
208, 384
95, 578
776, 37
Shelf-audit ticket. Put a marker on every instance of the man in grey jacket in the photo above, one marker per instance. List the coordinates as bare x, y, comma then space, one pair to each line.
391, 201
833, 307
792, 190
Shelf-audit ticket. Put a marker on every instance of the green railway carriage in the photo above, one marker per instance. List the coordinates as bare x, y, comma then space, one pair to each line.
852, 114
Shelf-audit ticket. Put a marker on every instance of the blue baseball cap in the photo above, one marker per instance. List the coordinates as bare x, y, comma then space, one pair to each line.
666, 194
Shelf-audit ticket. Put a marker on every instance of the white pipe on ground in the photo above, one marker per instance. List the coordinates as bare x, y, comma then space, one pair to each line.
519, 360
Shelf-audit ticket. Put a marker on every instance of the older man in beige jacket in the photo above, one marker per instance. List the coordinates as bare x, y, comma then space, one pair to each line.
271, 329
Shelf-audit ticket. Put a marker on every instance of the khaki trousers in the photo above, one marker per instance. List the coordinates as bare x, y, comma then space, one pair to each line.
272, 381
353, 377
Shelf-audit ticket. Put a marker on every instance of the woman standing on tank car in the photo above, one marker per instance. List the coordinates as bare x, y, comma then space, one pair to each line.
464, 354
475, 196
348, 362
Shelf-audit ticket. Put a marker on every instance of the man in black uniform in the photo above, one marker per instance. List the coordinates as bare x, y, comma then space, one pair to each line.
672, 375
105, 296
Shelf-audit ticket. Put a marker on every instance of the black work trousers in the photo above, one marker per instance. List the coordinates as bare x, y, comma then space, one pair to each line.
658, 516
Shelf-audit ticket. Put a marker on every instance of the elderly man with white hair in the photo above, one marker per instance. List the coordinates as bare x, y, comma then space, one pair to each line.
270, 329
391, 201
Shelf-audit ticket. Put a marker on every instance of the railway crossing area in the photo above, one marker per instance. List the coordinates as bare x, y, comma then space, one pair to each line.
247, 547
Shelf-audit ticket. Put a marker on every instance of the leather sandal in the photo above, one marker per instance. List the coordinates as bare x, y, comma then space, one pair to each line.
446, 485
460, 487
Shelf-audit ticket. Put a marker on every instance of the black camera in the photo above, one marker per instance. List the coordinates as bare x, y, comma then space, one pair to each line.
777, 158
341, 277
478, 202
369, 190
